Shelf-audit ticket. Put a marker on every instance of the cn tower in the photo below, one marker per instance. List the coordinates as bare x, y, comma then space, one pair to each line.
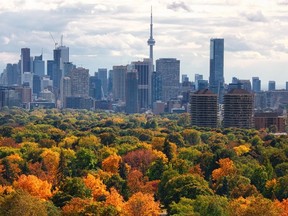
151, 41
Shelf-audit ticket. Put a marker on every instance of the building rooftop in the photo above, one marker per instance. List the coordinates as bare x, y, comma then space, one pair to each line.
204, 91
238, 91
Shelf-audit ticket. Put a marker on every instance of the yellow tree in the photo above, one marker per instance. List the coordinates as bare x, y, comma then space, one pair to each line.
51, 163
111, 163
142, 204
34, 186
97, 187
115, 199
75, 206
226, 168
253, 206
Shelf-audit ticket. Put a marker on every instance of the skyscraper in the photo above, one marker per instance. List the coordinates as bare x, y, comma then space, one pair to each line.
271, 85
25, 62
131, 92
102, 75
144, 83
119, 78
169, 70
216, 79
39, 66
256, 84
197, 78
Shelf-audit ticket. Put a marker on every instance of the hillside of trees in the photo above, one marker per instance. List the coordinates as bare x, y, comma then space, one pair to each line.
68, 162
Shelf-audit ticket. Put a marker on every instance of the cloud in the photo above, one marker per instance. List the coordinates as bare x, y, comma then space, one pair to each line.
175, 6
254, 16
283, 2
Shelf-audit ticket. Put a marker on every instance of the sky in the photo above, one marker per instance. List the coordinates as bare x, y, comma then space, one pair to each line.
103, 33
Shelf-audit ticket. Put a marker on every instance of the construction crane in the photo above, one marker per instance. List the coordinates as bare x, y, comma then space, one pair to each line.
55, 43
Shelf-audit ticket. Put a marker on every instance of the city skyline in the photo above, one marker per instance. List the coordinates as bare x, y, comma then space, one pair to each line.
109, 33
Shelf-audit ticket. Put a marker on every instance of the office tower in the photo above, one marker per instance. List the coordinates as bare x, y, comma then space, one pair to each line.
50, 68
131, 92
36, 84
238, 109
197, 78
55, 70
27, 79
151, 41
12, 71
47, 95
204, 108
67, 92
110, 82
25, 62
46, 83
203, 84
156, 87
95, 87
286, 86
79, 82
39, 66
169, 70
102, 75
216, 79
184, 78
119, 78
10, 96
271, 86
144, 85
256, 84
68, 66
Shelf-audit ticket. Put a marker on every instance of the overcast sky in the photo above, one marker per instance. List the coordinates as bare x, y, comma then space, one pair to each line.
103, 33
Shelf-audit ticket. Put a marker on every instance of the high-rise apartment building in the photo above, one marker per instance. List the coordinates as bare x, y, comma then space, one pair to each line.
216, 78
169, 70
79, 82
204, 109
256, 84
119, 80
271, 86
238, 109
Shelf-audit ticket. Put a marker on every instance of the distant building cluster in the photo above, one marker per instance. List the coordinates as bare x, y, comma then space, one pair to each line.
140, 87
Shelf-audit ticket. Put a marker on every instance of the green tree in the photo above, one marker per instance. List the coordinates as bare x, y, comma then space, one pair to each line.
23, 204
189, 186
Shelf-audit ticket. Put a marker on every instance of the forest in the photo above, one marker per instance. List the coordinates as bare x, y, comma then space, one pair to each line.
79, 162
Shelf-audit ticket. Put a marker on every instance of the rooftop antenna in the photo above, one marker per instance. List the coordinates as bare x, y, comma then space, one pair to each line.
55, 43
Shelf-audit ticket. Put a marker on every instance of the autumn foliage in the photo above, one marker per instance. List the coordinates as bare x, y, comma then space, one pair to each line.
142, 204
34, 186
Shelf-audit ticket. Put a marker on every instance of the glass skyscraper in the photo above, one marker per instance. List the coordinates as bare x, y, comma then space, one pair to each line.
216, 79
